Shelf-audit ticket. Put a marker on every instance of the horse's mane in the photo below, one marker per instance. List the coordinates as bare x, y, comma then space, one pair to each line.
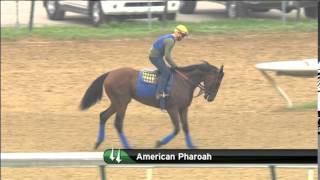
206, 67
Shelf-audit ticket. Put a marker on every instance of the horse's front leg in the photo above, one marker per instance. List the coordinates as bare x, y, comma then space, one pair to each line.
174, 116
185, 128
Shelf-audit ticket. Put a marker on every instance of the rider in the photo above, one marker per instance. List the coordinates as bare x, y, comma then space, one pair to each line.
162, 48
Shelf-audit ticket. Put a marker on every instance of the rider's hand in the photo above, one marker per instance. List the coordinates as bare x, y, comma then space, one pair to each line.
173, 68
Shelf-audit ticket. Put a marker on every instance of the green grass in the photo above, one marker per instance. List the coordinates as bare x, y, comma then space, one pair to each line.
301, 106
308, 105
140, 29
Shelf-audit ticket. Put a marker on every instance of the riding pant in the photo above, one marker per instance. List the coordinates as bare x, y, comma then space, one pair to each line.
164, 72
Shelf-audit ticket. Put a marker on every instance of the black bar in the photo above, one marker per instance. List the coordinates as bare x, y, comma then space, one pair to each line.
221, 156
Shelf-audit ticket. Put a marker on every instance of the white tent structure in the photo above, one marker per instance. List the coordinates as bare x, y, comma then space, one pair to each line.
302, 68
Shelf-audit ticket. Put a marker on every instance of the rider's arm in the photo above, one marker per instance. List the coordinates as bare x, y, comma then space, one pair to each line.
169, 43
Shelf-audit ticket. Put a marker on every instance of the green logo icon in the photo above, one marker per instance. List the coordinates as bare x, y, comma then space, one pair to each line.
112, 156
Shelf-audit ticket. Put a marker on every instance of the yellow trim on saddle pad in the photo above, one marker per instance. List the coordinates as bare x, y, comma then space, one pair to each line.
149, 77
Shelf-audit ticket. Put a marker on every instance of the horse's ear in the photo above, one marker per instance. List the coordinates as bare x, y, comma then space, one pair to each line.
221, 68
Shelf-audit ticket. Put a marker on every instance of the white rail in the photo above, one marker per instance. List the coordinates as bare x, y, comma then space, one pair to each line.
78, 159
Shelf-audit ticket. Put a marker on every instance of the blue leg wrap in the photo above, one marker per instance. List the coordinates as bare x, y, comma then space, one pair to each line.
101, 133
189, 141
167, 139
124, 141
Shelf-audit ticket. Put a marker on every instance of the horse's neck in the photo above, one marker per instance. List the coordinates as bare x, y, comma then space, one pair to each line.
196, 76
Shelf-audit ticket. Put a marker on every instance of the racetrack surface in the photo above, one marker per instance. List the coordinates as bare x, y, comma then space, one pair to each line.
43, 81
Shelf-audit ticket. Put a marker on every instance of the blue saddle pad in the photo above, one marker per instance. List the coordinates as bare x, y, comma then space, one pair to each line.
147, 87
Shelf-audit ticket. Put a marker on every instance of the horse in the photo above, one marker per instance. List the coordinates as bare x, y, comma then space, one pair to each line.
120, 87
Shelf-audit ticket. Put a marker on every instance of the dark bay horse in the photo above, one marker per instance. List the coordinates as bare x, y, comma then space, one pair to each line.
120, 86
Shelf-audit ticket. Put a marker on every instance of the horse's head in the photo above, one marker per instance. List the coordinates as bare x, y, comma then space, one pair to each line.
212, 82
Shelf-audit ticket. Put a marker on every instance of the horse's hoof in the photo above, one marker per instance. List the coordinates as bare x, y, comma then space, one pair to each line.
96, 146
129, 147
158, 144
193, 147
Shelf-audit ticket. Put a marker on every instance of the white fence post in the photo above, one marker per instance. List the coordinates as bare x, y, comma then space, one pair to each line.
149, 174
103, 173
273, 172
310, 174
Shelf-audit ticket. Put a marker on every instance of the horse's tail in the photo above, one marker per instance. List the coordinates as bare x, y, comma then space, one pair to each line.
93, 93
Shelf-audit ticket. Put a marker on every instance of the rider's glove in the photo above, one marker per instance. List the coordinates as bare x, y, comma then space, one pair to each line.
173, 68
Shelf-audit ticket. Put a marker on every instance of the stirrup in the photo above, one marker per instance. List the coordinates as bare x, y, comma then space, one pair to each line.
161, 95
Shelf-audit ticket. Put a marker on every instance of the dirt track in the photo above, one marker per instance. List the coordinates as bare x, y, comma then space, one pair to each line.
43, 81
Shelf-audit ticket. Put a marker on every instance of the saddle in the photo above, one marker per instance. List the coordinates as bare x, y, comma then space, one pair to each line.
147, 83
150, 76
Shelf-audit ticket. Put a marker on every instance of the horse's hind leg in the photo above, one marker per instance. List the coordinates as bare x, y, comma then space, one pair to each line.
174, 116
121, 110
104, 116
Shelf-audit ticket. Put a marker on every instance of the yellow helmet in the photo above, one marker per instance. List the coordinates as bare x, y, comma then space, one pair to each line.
182, 29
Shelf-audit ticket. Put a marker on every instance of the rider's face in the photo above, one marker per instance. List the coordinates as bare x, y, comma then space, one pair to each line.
180, 36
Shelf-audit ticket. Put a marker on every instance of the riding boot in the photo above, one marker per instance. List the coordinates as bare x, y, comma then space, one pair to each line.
159, 89
161, 93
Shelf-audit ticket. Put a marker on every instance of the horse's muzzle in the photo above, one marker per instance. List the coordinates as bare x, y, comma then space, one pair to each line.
209, 97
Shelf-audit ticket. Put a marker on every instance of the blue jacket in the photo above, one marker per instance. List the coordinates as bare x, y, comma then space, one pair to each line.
159, 44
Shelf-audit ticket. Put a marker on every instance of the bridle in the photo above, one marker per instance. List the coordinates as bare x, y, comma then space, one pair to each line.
202, 88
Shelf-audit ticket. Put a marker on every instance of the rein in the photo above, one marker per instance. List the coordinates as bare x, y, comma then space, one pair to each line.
202, 88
